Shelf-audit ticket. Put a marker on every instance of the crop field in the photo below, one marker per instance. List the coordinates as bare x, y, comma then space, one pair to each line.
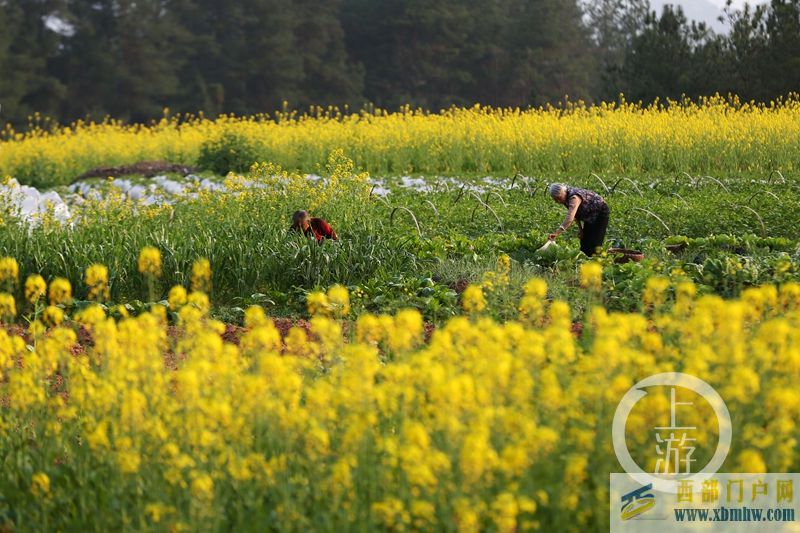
173, 358
715, 135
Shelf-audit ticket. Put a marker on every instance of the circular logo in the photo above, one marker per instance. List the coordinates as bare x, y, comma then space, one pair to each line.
669, 482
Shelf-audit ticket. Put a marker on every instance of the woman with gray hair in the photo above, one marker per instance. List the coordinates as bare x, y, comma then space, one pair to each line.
589, 209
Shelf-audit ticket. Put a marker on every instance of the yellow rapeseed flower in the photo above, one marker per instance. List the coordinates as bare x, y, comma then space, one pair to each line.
654, 290
592, 276
40, 484
473, 300
318, 304
150, 261
532, 303
339, 300
201, 276
255, 317
789, 296
391, 513
37, 328
96, 279
751, 461
199, 300
129, 461
467, 516
504, 511
9, 270
53, 316
203, 488
8, 307
157, 511
407, 331
90, 315
159, 312
35, 288
177, 297
466, 418
98, 439
60, 292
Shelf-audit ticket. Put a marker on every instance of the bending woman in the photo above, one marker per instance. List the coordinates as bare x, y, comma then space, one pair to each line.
589, 209
312, 226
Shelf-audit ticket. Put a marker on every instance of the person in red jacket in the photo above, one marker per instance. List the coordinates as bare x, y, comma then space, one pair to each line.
318, 227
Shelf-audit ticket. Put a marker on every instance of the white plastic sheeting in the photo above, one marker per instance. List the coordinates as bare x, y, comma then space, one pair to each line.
30, 205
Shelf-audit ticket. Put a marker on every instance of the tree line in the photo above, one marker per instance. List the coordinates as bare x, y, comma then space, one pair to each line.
130, 59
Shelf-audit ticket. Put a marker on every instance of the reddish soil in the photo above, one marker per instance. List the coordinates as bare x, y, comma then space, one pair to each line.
459, 286
429, 329
145, 168
285, 324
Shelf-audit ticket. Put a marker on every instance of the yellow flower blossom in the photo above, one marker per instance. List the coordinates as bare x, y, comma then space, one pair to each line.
653, 295
40, 484
339, 300
157, 511
199, 300
318, 304
592, 276
97, 280
35, 288
60, 292
391, 513
473, 300
532, 305
201, 276
150, 261
52, 316
504, 511
751, 461
37, 328
9, 270
8, 307
177, 297
255, 317
203, 488
90, 315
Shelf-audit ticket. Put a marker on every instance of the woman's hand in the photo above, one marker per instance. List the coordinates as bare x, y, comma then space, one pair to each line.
553, 236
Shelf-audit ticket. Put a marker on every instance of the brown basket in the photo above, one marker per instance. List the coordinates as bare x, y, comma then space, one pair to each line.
626, 256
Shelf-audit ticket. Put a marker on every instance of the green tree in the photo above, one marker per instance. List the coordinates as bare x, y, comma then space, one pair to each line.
5, 45
436, 54
252, 55
658, 63
550, 50
781, 61
711, 70
148, 79
613, 25
744, 50
413, 51
27, 48
121, 59
328, 74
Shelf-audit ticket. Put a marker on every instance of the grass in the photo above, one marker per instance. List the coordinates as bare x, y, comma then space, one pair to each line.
255, 258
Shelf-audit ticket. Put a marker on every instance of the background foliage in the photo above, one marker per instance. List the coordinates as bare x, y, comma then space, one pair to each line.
73, 59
